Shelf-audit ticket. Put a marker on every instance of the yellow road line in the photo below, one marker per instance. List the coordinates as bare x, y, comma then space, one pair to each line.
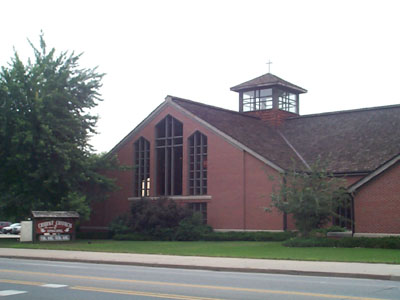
214, 287
137, 293
114, 291
21, 282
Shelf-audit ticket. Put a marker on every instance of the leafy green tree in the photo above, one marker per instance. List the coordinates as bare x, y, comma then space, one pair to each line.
46, 161
311, 197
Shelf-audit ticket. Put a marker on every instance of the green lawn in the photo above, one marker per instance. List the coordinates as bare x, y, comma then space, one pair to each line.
270, 250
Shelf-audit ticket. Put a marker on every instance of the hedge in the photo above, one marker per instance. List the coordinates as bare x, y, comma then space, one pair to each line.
258, 236
94, 235
351, 242
215, 236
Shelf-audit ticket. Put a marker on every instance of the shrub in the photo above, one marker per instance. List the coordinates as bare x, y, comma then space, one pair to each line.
155, 217
191, 229
121, 224
259, 236
310, 242
94, 235
324, 231
361, 242
161, 220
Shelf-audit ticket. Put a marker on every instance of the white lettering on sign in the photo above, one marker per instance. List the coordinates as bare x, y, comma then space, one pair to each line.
54, 226
46, 224
63, 223
54, 238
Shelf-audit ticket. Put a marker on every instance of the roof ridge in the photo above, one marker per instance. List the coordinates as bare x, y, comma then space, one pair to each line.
214, 107
293, 149
356, 110
269, 80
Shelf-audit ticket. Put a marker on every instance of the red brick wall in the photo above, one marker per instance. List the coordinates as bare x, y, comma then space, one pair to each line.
259, 186
274, 117
234, 205
377, 204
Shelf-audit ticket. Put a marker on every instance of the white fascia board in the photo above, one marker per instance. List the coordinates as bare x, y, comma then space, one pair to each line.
226, 137
139, 127
373, 174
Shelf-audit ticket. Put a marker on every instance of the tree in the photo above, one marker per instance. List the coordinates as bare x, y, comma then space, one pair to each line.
311, 197
46, 161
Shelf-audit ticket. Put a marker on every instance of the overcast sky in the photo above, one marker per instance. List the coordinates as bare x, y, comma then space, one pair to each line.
345, 53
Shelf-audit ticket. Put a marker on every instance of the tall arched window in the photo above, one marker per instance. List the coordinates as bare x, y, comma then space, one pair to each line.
169, 139
141, 187
197, 164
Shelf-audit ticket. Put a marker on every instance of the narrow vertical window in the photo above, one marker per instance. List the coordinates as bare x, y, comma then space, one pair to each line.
198, 164
142, 168
344, 214
169, 142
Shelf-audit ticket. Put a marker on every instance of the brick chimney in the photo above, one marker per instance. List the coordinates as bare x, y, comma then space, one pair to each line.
274, 117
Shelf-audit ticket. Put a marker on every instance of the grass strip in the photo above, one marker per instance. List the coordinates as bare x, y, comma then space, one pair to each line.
266, 250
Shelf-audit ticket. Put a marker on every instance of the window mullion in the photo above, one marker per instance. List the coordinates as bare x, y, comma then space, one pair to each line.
165, 171
140, 175
201, 163
172, 157
195, 161
145, 167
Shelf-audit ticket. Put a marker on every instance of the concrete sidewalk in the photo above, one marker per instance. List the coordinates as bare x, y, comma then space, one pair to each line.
334, 269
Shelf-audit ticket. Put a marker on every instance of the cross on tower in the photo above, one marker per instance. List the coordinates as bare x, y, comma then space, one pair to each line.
269, 66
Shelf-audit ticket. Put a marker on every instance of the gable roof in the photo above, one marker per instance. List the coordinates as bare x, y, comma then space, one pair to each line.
349, 141
353, 141
266, 81
248, 130
354, 187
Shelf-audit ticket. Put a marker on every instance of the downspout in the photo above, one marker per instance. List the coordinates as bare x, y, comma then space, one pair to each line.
244, 190
353, 225
284, 213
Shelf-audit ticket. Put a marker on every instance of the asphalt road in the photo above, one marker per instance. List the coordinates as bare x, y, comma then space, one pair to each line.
35, 279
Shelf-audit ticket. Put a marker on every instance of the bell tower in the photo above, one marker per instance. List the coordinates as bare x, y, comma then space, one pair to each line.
269, 98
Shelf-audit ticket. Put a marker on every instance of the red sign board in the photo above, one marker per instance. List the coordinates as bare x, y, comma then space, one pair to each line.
54, 226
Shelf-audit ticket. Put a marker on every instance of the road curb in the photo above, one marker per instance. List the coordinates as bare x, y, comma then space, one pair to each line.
219, 268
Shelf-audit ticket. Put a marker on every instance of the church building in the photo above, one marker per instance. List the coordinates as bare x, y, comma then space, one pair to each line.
220, 162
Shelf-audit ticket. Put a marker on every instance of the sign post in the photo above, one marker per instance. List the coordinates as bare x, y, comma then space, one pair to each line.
54, 226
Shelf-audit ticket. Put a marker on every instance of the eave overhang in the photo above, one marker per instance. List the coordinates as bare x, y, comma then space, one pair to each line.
354, 187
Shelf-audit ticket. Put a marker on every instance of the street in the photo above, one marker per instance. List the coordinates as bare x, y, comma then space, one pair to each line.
35, 279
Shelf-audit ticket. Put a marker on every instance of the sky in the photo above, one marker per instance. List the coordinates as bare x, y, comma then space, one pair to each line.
345, 53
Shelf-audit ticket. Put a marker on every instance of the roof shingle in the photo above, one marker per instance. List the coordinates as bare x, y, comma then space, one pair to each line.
349, 141
248, 130
356, 141
265, 81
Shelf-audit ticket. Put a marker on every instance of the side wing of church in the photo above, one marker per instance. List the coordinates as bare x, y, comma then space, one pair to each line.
220, 162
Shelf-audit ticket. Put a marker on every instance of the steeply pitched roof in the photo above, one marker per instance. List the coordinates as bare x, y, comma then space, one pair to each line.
349, 141
266, 81
355, 141
248, 130
374, 174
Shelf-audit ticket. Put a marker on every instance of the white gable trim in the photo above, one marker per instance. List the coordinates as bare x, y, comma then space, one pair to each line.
226, 137
373, 174
139, 127
168, 102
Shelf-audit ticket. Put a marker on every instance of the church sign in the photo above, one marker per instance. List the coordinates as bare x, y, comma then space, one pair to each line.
54, 225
